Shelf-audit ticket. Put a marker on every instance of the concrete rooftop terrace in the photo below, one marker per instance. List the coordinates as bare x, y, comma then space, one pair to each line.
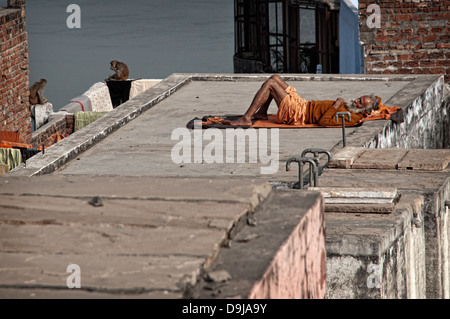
125, 158
144, 146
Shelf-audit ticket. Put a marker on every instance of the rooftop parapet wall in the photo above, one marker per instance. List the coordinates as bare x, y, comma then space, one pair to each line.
289, 225
426, 118
62, 121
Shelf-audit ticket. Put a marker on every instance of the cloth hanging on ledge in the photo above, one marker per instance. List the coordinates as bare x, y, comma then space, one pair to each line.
82, 119
119, 91
11, 157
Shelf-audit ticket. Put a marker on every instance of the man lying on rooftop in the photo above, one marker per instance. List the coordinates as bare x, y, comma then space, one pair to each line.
294, 110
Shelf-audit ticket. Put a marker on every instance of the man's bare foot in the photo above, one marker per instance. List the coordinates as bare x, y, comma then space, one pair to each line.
241, 122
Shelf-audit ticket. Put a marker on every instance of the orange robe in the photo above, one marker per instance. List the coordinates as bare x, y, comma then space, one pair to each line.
295, 110
292, 109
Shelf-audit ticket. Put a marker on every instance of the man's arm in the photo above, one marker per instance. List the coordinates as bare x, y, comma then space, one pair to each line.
339, 102
329, 118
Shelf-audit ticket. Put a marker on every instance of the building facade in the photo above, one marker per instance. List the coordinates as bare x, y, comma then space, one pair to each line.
286, 36
346, 36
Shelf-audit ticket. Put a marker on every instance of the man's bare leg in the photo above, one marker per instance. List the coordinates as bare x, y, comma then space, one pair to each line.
261, 114
273, 88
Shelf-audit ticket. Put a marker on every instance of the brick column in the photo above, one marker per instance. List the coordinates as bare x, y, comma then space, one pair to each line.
15, 110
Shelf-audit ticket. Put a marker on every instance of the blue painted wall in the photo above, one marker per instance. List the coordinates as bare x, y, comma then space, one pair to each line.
350, 60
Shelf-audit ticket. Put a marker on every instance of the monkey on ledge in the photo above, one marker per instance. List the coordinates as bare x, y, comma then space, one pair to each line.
36, 92
120, 69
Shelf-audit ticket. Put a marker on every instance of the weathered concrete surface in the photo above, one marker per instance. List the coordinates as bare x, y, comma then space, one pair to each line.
376, 255
292, 225
343, 195
408, 248
151, 238
41, 113
145, 144
159, 238
77, 143
428, 160
147, 141
426, 118
344, 157
393, 241
373, 158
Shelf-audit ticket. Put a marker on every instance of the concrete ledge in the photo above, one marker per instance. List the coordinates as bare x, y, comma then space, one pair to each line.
281, 254
55, 120
424, 121
150, 238
403, 247
41, 113
368, 255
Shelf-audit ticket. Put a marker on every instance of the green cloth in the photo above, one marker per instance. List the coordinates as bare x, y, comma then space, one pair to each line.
11, 157
83, 119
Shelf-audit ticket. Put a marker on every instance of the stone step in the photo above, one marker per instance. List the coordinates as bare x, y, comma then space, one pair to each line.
345, 157
380, 158
428, 160
338, 195
391, 158
360, 208
358, 200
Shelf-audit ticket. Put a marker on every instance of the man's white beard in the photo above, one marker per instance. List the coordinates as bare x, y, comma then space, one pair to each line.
351, 106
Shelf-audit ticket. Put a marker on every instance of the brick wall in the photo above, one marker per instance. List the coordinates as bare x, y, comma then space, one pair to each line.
413, 37
14, 73
44, 135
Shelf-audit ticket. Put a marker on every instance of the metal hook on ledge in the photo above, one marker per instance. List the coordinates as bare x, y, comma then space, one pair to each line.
313, 162
316, 152
349, 117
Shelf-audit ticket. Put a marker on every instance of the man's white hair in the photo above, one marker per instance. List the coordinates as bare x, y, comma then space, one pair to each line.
351, 105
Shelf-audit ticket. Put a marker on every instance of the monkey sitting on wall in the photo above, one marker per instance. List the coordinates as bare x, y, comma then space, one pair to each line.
36, 92
121, 71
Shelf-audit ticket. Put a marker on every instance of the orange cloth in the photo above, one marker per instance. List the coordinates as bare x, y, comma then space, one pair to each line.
271, 122
292, 108
57, 137
215, 120
7, 144
13, 144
